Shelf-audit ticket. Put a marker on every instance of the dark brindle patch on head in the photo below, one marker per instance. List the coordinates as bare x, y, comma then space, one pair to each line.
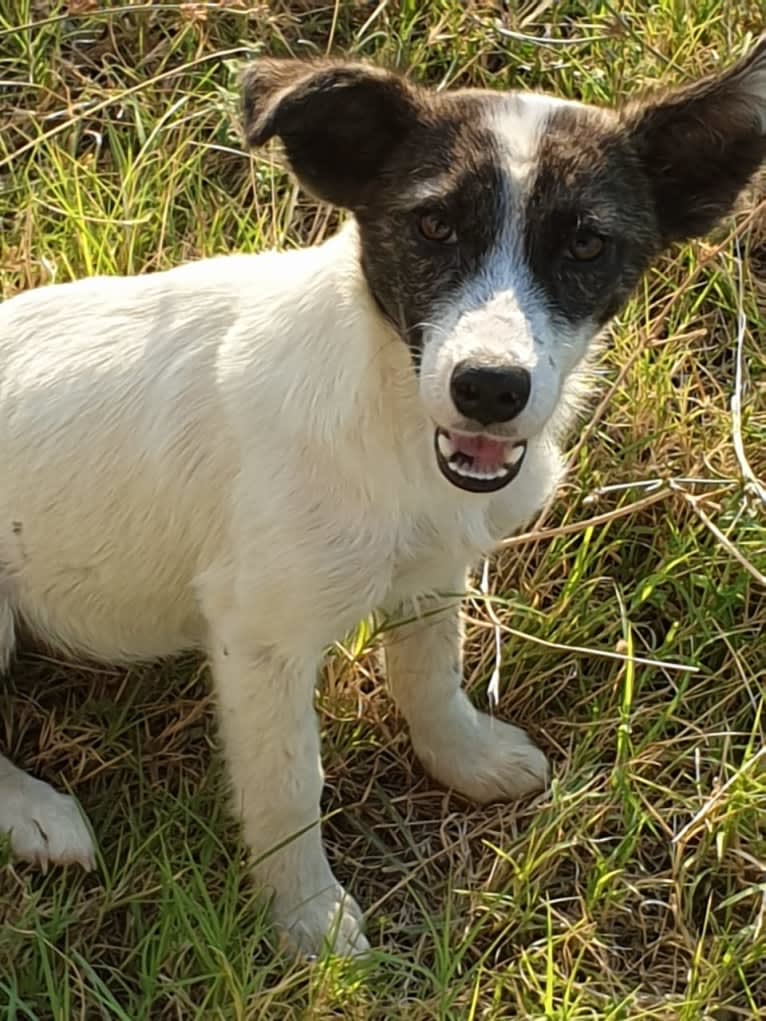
597, 194
587, 183
450, 169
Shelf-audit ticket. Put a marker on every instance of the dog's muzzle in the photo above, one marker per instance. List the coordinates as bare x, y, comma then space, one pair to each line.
478, 464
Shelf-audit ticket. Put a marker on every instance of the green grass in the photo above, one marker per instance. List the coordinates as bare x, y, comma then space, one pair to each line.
635, 888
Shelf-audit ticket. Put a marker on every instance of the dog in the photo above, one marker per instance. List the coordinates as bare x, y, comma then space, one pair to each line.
248, 454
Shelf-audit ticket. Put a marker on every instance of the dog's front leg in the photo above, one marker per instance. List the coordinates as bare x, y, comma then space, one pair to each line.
271, 740
467, 750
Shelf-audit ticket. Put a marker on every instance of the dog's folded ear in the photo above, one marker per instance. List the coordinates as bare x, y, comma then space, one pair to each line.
701, 143
339, 122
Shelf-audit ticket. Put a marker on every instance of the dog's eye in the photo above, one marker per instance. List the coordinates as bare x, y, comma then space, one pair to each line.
586, 246
434, 228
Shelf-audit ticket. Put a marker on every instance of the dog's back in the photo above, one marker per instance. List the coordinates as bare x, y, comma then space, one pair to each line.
107, 388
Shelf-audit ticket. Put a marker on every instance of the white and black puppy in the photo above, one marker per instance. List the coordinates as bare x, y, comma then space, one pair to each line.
247, 454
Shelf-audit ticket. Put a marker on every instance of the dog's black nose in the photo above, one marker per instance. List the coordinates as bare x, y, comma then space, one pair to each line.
489, 393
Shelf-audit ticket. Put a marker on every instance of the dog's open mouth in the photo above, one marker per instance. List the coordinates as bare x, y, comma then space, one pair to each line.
479, 464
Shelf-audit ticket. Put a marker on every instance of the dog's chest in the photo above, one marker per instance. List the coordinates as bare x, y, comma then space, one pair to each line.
433, 549
372, 561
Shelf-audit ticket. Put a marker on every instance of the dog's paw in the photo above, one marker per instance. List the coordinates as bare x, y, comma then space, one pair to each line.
481, 757
329, 921
43, 826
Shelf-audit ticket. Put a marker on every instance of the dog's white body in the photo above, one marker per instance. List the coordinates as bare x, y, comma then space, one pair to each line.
246, 455
220, 517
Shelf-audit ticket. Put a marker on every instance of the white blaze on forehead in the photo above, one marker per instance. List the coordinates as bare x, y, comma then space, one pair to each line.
518, 121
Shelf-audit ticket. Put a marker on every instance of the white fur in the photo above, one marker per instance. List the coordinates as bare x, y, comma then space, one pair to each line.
518, 124
44, 826
233, 456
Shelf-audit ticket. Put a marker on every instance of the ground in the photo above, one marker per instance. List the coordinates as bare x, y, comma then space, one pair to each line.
631, 617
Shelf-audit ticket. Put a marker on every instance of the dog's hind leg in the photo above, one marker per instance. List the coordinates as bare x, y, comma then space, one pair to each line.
43, 826
7, 620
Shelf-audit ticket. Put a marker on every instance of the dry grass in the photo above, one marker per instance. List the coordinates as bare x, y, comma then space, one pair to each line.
635, 888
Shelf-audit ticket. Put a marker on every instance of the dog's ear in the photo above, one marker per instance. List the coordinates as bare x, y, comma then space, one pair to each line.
338, 122
700, 144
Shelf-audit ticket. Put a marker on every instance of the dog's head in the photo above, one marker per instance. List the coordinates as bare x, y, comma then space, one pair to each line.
501, 231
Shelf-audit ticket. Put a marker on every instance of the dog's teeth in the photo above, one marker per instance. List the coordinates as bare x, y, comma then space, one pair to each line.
467, 467
469, 472
445, 445
516, 455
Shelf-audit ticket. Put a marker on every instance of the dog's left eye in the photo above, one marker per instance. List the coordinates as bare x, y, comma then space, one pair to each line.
434, 228
586, 246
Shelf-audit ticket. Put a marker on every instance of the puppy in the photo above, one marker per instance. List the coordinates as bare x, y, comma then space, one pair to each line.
248, 454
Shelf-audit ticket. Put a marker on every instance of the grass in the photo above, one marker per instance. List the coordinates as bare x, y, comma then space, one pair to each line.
636, 887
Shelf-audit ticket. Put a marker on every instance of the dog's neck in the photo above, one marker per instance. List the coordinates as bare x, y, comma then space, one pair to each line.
376, 394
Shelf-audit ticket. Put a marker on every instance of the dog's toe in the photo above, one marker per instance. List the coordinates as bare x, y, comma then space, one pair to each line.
481, 757
46, 827
330, 921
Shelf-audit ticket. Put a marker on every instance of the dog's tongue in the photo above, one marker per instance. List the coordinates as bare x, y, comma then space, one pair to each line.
485, 452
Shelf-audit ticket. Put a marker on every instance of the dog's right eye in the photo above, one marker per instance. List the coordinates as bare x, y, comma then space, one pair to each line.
437, 230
